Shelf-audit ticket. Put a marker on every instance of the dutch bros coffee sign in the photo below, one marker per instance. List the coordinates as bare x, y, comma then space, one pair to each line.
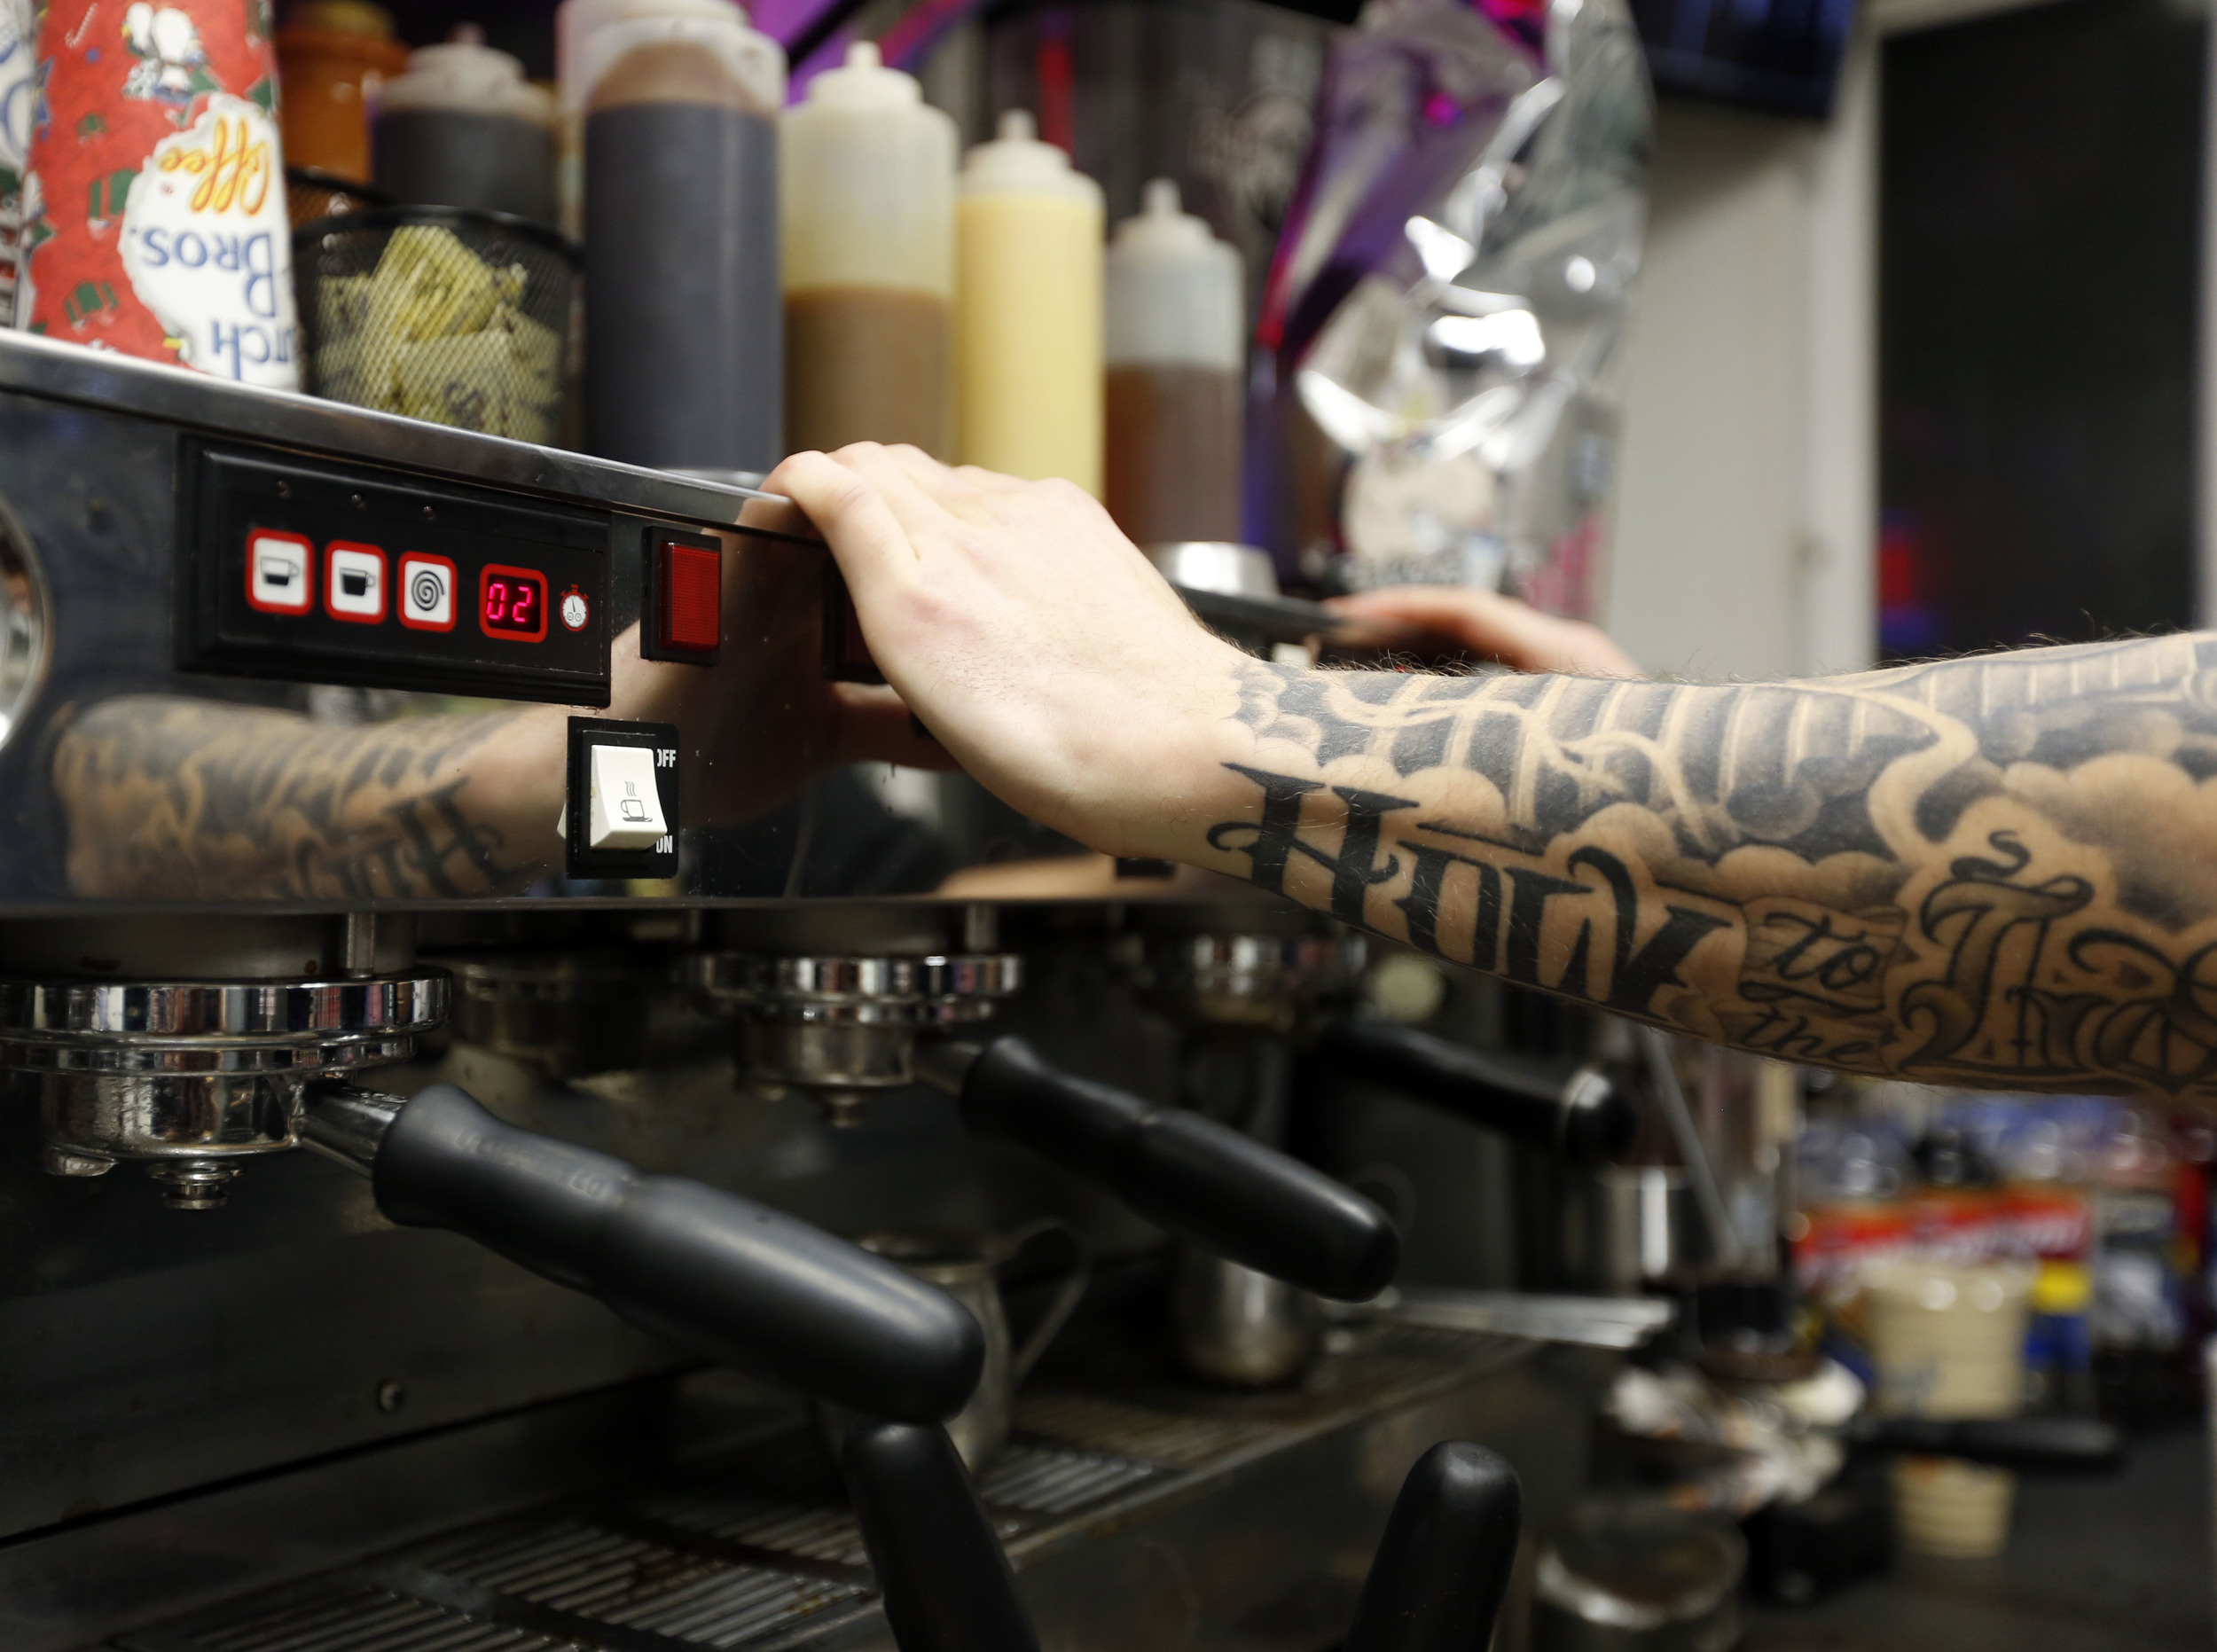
204, 244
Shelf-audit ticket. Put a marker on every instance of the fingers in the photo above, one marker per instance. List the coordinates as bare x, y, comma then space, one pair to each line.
1485, 621
922, 491
776, 515
851, 512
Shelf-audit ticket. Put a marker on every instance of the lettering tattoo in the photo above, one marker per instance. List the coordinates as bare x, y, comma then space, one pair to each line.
182, 798
1999, 872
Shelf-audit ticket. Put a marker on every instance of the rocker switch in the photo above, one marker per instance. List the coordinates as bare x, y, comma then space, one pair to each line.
626, 810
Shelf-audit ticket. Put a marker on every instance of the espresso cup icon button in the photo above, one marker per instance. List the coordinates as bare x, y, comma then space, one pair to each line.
278, 567
354, 586
425, 592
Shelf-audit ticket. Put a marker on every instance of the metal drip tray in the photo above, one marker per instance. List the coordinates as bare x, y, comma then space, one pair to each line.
759, 1550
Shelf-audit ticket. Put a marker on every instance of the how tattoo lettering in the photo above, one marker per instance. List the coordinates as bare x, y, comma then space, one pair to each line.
1999, 872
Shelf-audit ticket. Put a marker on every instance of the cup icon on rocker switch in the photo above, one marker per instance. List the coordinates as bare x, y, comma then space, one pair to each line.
626, 810
353, 582
426, 592
279, 573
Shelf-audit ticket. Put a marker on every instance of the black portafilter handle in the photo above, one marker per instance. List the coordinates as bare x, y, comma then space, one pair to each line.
945, 1580
1437, 1583
2032, 1444
1250, 1203
1566, 1106
734, 1282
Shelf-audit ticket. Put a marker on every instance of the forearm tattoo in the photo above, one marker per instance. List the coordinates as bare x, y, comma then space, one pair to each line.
1997, 872
183, 799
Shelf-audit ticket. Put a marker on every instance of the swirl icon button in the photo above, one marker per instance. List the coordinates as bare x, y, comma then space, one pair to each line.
426, 592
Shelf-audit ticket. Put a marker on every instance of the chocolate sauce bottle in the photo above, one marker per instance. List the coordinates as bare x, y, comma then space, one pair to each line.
683, 343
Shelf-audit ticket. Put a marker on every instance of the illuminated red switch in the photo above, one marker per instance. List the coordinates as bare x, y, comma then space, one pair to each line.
687, 598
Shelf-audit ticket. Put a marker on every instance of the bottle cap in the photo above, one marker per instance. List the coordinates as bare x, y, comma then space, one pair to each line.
342, 17
1016, 162
470, 77
1160, 229
2063, 1288
864, 82
1175, 294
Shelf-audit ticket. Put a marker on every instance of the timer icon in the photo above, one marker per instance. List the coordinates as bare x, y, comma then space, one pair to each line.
576, 609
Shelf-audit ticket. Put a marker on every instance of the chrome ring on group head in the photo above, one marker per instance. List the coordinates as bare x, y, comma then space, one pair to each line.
192, 1076
898, 990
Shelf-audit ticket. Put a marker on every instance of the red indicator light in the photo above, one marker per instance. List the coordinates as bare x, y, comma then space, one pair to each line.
693, 597
511, 603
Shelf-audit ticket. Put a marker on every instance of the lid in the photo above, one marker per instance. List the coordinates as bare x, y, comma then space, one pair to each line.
593, 36
339, 17
352, 31
2062, 1288
1017, 163
576, 21
1160, 229
465, 76
864, 82
1175, 292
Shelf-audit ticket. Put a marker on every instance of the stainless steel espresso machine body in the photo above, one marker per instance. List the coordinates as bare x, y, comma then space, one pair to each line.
433, 1249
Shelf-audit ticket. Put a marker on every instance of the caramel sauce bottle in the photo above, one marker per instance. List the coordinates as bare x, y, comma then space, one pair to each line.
866, 191
1176, 338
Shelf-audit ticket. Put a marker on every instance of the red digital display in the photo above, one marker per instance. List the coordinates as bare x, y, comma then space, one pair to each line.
511, 603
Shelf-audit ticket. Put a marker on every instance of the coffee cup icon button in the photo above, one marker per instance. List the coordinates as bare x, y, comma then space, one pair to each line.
354, 584
277, 579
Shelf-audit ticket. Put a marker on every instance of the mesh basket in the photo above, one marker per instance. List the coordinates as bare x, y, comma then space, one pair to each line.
440, 313
311, 193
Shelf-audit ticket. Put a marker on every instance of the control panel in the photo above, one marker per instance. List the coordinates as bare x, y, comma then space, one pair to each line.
315, 571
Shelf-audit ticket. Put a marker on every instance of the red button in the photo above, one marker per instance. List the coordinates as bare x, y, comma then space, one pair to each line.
693, 597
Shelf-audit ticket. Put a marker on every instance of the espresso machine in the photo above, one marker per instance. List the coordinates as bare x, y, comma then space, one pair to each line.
468, 1231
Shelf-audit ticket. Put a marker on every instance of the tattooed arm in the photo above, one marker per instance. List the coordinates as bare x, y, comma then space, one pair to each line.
178, 798
1997, 872
173, 798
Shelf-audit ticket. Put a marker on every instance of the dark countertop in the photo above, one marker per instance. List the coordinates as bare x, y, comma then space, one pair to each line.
2097, 1565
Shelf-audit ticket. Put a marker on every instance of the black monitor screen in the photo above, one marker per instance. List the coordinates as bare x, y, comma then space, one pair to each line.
1774, 54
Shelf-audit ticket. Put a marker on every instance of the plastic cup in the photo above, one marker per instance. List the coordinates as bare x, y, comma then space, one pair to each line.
1949, 1342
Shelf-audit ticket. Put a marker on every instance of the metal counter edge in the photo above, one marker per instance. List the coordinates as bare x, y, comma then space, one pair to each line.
56, 369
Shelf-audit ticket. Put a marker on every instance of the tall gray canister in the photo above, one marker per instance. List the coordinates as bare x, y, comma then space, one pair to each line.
683, 323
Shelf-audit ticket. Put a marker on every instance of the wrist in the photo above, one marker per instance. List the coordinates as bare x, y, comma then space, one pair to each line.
1151, 779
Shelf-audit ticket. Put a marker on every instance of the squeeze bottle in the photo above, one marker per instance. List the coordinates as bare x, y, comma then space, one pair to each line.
333, 58
681, 334
866, 213
463, 127
1028, 397
1175, 348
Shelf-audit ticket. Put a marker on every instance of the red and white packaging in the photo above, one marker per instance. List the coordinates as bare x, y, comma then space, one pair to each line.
154, 204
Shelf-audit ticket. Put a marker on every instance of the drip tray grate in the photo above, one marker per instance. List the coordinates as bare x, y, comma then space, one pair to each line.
732, 1560
760, 1552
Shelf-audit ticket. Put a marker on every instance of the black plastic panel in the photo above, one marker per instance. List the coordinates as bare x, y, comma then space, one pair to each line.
524, 612
580, 862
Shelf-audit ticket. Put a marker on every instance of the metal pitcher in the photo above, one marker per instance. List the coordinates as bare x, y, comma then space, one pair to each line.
1235, 1325
966, 1265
